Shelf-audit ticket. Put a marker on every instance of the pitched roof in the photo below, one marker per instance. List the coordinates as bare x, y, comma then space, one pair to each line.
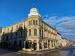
49, 25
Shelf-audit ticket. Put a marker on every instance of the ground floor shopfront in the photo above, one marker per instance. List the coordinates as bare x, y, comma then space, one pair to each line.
30, 44
39, 45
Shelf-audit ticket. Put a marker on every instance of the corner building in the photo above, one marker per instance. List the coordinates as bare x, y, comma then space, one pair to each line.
30, 34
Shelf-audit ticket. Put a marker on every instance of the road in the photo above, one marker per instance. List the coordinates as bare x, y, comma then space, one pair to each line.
63, 52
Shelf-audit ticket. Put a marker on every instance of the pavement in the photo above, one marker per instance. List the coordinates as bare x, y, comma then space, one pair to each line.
54, 52
7, 53
38, 52
4, 52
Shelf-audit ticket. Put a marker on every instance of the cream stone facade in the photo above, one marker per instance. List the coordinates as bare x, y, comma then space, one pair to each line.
31, 34
0, 33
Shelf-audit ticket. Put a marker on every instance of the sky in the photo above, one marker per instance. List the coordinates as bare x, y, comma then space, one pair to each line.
58, 13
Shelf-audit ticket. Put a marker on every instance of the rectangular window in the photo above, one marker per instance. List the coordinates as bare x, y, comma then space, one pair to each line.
30, 22
16, 34
35, 32
29, 32
11, 29
36, 22
16, 27
33, 22
40, 32
21, 33
8, 29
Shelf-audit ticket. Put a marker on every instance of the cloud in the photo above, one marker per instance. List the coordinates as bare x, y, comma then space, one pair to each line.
65, 25
69, 24
51, 20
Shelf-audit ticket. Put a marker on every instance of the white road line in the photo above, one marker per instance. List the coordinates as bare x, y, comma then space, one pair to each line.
73, 53
18, 53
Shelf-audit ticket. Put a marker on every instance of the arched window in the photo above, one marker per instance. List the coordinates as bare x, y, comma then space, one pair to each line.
29, 32
35, 32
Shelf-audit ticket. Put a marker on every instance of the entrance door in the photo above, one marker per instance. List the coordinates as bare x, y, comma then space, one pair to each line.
14, 45
20, 44
28, 44
34, 46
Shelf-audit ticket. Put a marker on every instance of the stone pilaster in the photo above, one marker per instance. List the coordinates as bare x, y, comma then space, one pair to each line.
42, 45
37, 46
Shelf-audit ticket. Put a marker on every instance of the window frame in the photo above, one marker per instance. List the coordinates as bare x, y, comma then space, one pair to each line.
35, 32
29, 32
30, 22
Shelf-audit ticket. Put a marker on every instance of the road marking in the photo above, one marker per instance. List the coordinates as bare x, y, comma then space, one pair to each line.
18, 53
73, 53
